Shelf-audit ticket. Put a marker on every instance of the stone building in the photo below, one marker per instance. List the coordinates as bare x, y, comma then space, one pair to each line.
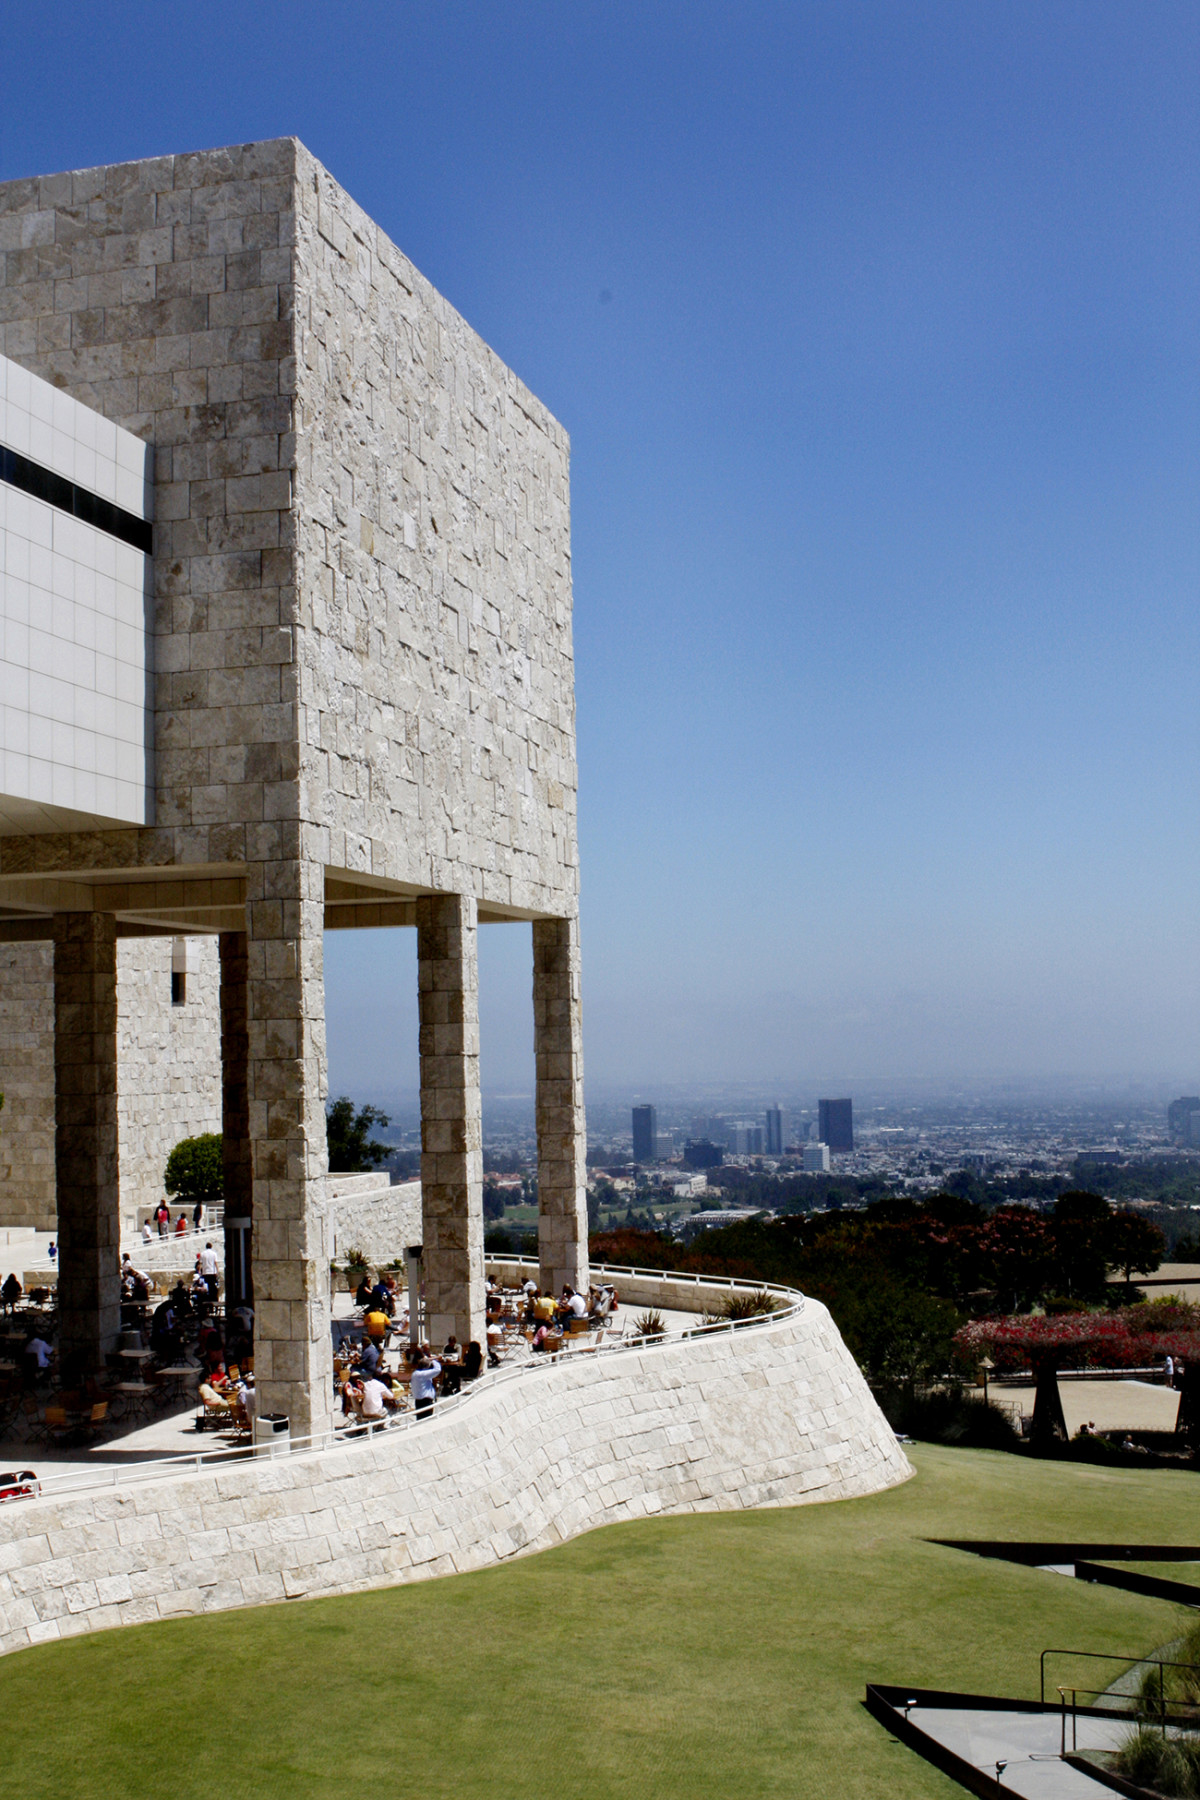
168, 1069
334, 690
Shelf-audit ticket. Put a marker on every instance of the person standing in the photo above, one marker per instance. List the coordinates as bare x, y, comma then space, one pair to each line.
208, 1265
422, 1384
197, 1215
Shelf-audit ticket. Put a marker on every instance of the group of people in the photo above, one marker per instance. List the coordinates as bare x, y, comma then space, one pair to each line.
162, 1222
370, 1391
547, 1316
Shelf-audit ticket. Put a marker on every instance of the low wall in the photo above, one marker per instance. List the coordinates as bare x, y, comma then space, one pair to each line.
678, 1293
777, 1415
367, 1214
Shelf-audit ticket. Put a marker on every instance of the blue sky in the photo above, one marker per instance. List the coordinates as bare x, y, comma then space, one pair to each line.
874, 328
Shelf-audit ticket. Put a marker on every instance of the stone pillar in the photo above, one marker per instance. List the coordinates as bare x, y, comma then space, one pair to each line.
235, 1119
451, 1118
85, 1136
285, 1005
561, 1133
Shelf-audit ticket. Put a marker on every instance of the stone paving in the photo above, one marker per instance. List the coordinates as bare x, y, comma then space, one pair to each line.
1028, 1743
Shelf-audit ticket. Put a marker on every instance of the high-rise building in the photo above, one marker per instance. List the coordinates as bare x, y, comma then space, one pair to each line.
816, 1159
773, 1136
645, 1134
745, 1138
1178, 1122
835, 1123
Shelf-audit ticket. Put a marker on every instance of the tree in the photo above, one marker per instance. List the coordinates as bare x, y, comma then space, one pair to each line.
195, 1170
1133, 1243
493, 1200
1080, 1229
351, 1150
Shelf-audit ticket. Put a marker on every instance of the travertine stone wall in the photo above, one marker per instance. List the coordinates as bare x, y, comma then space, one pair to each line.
775, 1416
380, 1220
168, 1059
561, 1130
451, 1117
27, 1083
433, 547
85, 1133
168, 1071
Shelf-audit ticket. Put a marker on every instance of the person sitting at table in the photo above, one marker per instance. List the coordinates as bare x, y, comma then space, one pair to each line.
574, 1306
36, 1358
377, 1399
10, 1293
472, 1362
362, 1293
543, 1309
164, 1334
216, 1397
538, 1340
368, 1358
452, 1372
199, 1294
376, 1325
495, 1338
383, 1296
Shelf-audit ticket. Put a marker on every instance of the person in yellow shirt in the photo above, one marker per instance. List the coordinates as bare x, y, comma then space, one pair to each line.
376, 1324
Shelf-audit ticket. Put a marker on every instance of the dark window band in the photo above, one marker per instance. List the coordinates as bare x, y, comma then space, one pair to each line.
56, 490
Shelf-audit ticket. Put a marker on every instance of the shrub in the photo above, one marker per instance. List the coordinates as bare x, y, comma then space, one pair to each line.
950, 1417
1169, 1765
195, 1169
650, 1325
740, 1307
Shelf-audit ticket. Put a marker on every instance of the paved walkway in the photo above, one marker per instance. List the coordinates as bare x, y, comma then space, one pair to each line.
1028, 1742
1109, 1405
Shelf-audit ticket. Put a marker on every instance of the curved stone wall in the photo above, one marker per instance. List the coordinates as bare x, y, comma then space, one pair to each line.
776, 1415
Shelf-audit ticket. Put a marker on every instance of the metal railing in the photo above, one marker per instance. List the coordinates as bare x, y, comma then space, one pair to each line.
319, 1443
1149, 1702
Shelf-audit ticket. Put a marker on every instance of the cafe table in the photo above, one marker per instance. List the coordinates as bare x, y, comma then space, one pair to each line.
137, 1397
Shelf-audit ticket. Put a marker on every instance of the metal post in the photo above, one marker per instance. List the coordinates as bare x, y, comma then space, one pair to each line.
412, 1266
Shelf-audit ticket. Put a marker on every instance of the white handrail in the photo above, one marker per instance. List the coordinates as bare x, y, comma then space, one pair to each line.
188, 1463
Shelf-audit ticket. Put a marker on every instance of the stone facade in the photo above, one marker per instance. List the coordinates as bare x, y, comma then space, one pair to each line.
363, 677
774, 1416
168, 1058
377, 1219
27, 1083
168, 1071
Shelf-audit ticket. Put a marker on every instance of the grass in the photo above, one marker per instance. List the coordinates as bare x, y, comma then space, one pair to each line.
716, 1655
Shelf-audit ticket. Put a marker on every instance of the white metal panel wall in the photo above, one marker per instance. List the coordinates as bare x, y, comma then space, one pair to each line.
75, 643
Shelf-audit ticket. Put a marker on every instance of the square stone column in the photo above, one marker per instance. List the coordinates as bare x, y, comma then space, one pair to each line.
235, 1118
451, 1118
561, 1131
85, 1136
285, 1005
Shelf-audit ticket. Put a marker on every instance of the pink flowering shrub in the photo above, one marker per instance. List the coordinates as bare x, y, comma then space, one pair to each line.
1079, 1340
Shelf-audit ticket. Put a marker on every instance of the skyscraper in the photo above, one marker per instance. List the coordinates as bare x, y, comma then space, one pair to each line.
774, 1131
1179, 1116
645, 1134
835, 1123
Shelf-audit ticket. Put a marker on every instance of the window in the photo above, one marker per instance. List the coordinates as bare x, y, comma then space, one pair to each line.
178, 987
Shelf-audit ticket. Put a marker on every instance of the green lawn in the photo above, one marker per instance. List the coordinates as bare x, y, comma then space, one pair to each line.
720, 1655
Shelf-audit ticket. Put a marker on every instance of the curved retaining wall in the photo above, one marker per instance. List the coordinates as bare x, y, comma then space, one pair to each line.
772, 1416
